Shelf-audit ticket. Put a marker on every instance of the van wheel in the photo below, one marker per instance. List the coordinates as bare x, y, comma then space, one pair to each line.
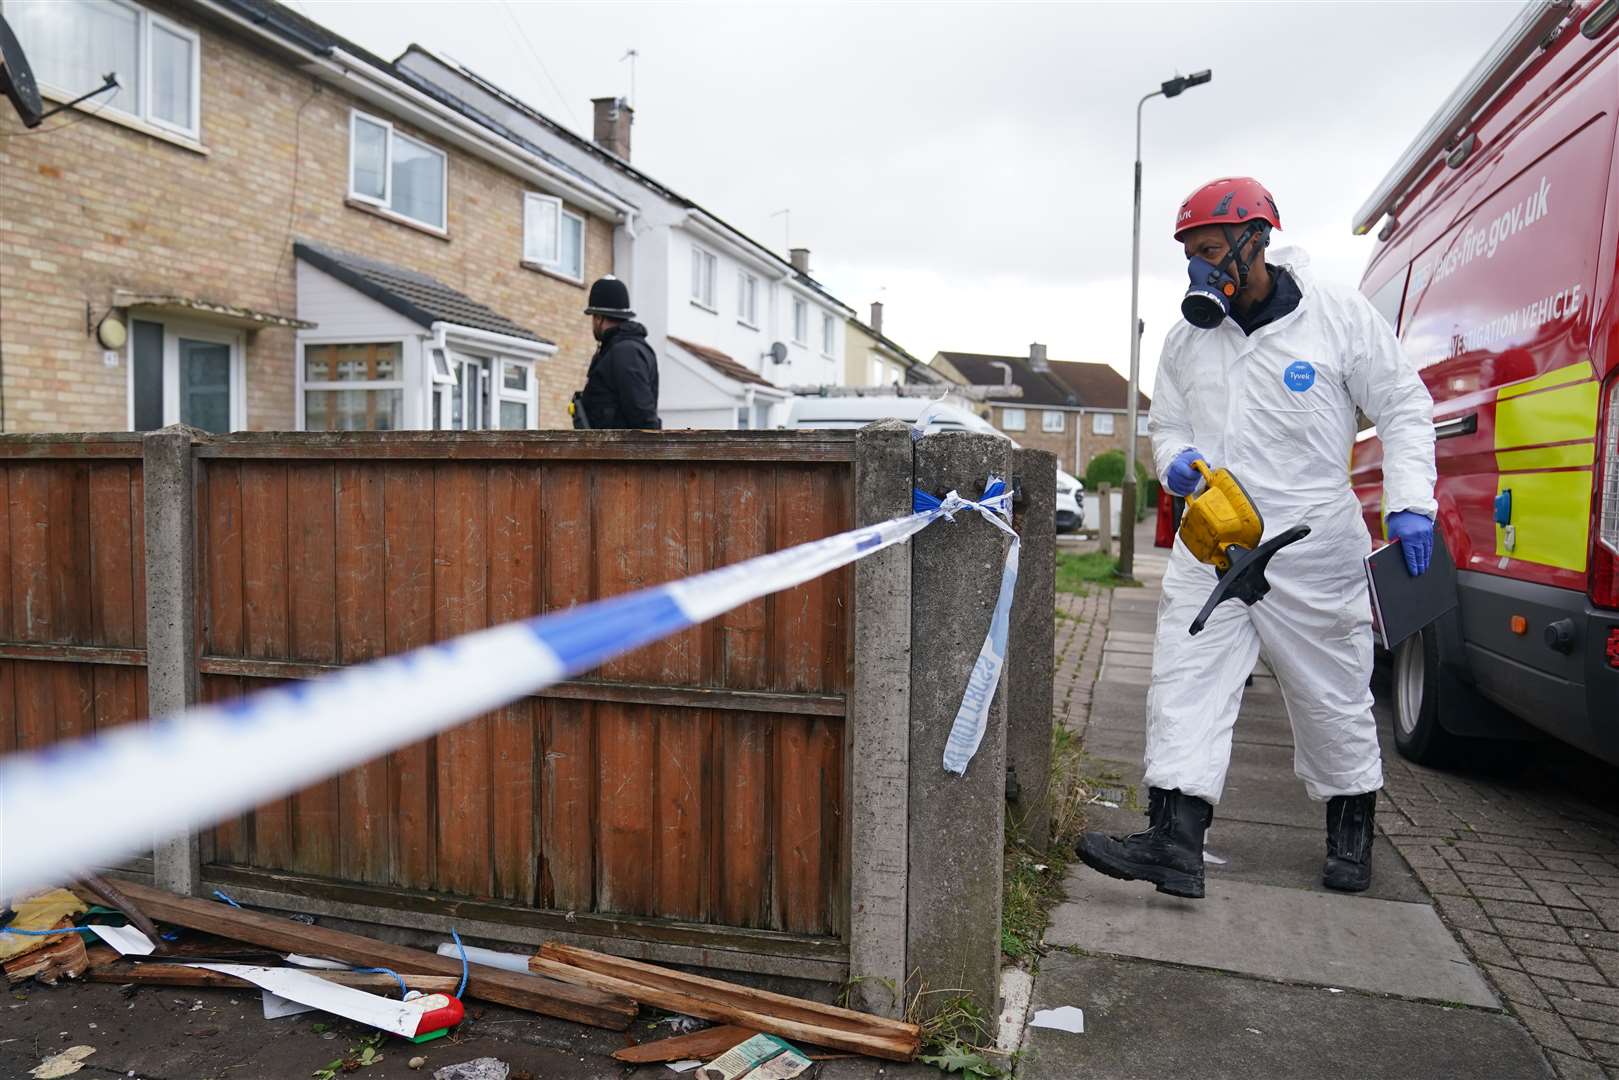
1418, 687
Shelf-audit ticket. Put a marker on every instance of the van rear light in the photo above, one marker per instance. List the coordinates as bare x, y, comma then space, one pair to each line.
1605, 551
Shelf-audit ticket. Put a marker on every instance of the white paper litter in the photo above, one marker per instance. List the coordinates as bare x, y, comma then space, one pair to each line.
1213, 859
373, 1010
1065, 1018
276, 1006
300, 960
683, 1066
126, 939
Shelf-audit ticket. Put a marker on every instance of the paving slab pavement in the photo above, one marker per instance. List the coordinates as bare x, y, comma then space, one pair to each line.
1274, 932
1157, 1022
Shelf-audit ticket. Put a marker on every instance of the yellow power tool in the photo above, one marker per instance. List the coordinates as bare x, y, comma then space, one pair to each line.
1223, 527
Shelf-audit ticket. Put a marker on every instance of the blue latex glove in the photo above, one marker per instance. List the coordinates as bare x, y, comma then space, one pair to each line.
1414, 531
1182, 478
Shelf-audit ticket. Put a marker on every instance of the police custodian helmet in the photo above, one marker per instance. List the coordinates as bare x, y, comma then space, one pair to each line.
610, 297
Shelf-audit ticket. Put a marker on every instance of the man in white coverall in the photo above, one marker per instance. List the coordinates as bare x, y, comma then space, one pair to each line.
1264, 378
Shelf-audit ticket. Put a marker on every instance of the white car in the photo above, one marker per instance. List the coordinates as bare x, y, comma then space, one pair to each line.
1070, 502
857, 412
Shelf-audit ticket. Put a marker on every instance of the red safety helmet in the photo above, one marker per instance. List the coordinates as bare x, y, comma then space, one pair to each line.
1230, 200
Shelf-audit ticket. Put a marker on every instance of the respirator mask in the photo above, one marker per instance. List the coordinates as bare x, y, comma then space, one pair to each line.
1209, 297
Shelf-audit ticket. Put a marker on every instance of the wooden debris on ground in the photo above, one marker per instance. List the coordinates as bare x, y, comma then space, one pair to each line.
566, 1000
705, 1044
54, 959
157, 973
730, 1003
40, 912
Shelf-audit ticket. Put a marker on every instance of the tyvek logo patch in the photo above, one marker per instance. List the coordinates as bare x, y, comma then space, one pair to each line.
1299, 376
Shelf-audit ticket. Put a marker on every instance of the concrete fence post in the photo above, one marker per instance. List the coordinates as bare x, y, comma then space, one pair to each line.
171, 648
879, 719
1104, 517
1031, 648
957, 823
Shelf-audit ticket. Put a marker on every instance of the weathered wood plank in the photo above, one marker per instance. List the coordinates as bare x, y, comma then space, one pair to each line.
30, 516
626, 836
461, 604
265, 619
408, 618
680, 883
312, 635
513, 517
740, 853
573, 446
504, 987
221, 558
7, 606
112, 574
567, 806
364, 819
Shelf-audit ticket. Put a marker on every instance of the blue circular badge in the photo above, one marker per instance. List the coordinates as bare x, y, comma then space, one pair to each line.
1299, 376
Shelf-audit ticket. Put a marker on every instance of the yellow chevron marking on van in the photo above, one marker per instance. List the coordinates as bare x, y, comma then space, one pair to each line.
1551, 512
1556, 377
1562, 415
1569, 455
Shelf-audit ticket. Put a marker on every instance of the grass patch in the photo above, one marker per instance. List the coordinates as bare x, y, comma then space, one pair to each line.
955, 1036
1076, 573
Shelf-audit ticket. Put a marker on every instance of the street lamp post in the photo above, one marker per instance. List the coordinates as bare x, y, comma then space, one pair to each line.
1127, 515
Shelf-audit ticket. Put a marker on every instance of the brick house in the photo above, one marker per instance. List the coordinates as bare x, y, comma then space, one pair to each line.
1076, 410
191, 247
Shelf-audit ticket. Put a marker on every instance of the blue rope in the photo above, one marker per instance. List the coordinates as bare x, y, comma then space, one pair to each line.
463, 949
47, 933
220, 893
403, 989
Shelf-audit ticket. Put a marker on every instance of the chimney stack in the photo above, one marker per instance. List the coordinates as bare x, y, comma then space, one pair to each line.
800, 260
877, 316
1037, 358
613, 119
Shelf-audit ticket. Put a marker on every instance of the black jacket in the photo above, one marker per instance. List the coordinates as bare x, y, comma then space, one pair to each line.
621, 390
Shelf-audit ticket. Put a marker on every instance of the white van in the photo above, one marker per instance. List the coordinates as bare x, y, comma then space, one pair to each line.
857, 412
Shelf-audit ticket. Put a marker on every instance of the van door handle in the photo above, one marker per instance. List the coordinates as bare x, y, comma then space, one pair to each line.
1456, 425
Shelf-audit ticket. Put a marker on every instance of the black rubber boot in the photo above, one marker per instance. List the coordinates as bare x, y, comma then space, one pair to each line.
1349, 842
1169, 853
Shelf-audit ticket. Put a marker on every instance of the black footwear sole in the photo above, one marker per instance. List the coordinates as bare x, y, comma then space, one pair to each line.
1174, 882
1347, 885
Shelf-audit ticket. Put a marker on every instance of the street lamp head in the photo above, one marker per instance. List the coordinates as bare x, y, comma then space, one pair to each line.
1174, 86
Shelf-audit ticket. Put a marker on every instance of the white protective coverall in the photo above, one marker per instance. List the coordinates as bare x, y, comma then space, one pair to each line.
1278, 410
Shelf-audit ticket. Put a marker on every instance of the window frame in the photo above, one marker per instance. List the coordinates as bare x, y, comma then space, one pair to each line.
402, 383
584, 237
385, 204
1046, 425
829, 342
1007, 412
709, 263
141, 114
747, 299
800, 321
1142, 431
1096, 423
553, 205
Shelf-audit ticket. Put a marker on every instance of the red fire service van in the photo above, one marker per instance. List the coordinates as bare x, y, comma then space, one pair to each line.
1497, 250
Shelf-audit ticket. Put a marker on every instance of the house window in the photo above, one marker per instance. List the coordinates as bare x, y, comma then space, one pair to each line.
702, 277
1141, 425
1102, 423
158, 62
1051, 420
800, 322
181, 374
747, 299
829, 338
396, 172
553, 238
1012, 419
353, 386
878, 374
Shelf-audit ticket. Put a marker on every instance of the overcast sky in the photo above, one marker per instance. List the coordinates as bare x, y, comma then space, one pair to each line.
969, 164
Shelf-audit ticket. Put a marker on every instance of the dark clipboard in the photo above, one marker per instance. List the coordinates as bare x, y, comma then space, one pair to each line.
1402, 604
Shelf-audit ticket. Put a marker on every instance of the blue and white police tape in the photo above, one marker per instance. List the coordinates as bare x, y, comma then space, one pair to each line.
209, 762
972, 719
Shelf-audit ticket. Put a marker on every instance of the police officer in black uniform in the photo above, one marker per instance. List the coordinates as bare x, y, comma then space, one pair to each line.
621, 389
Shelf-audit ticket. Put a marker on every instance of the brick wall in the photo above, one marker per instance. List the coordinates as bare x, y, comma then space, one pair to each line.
1063, 443
1091, 444
96, 206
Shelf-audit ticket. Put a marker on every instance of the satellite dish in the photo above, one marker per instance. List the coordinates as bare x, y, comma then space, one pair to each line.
17, 79
778, 352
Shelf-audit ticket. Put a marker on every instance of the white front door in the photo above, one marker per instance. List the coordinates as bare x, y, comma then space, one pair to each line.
489, 394
186, 374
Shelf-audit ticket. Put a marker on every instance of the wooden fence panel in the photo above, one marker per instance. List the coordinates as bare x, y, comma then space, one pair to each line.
621, 801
